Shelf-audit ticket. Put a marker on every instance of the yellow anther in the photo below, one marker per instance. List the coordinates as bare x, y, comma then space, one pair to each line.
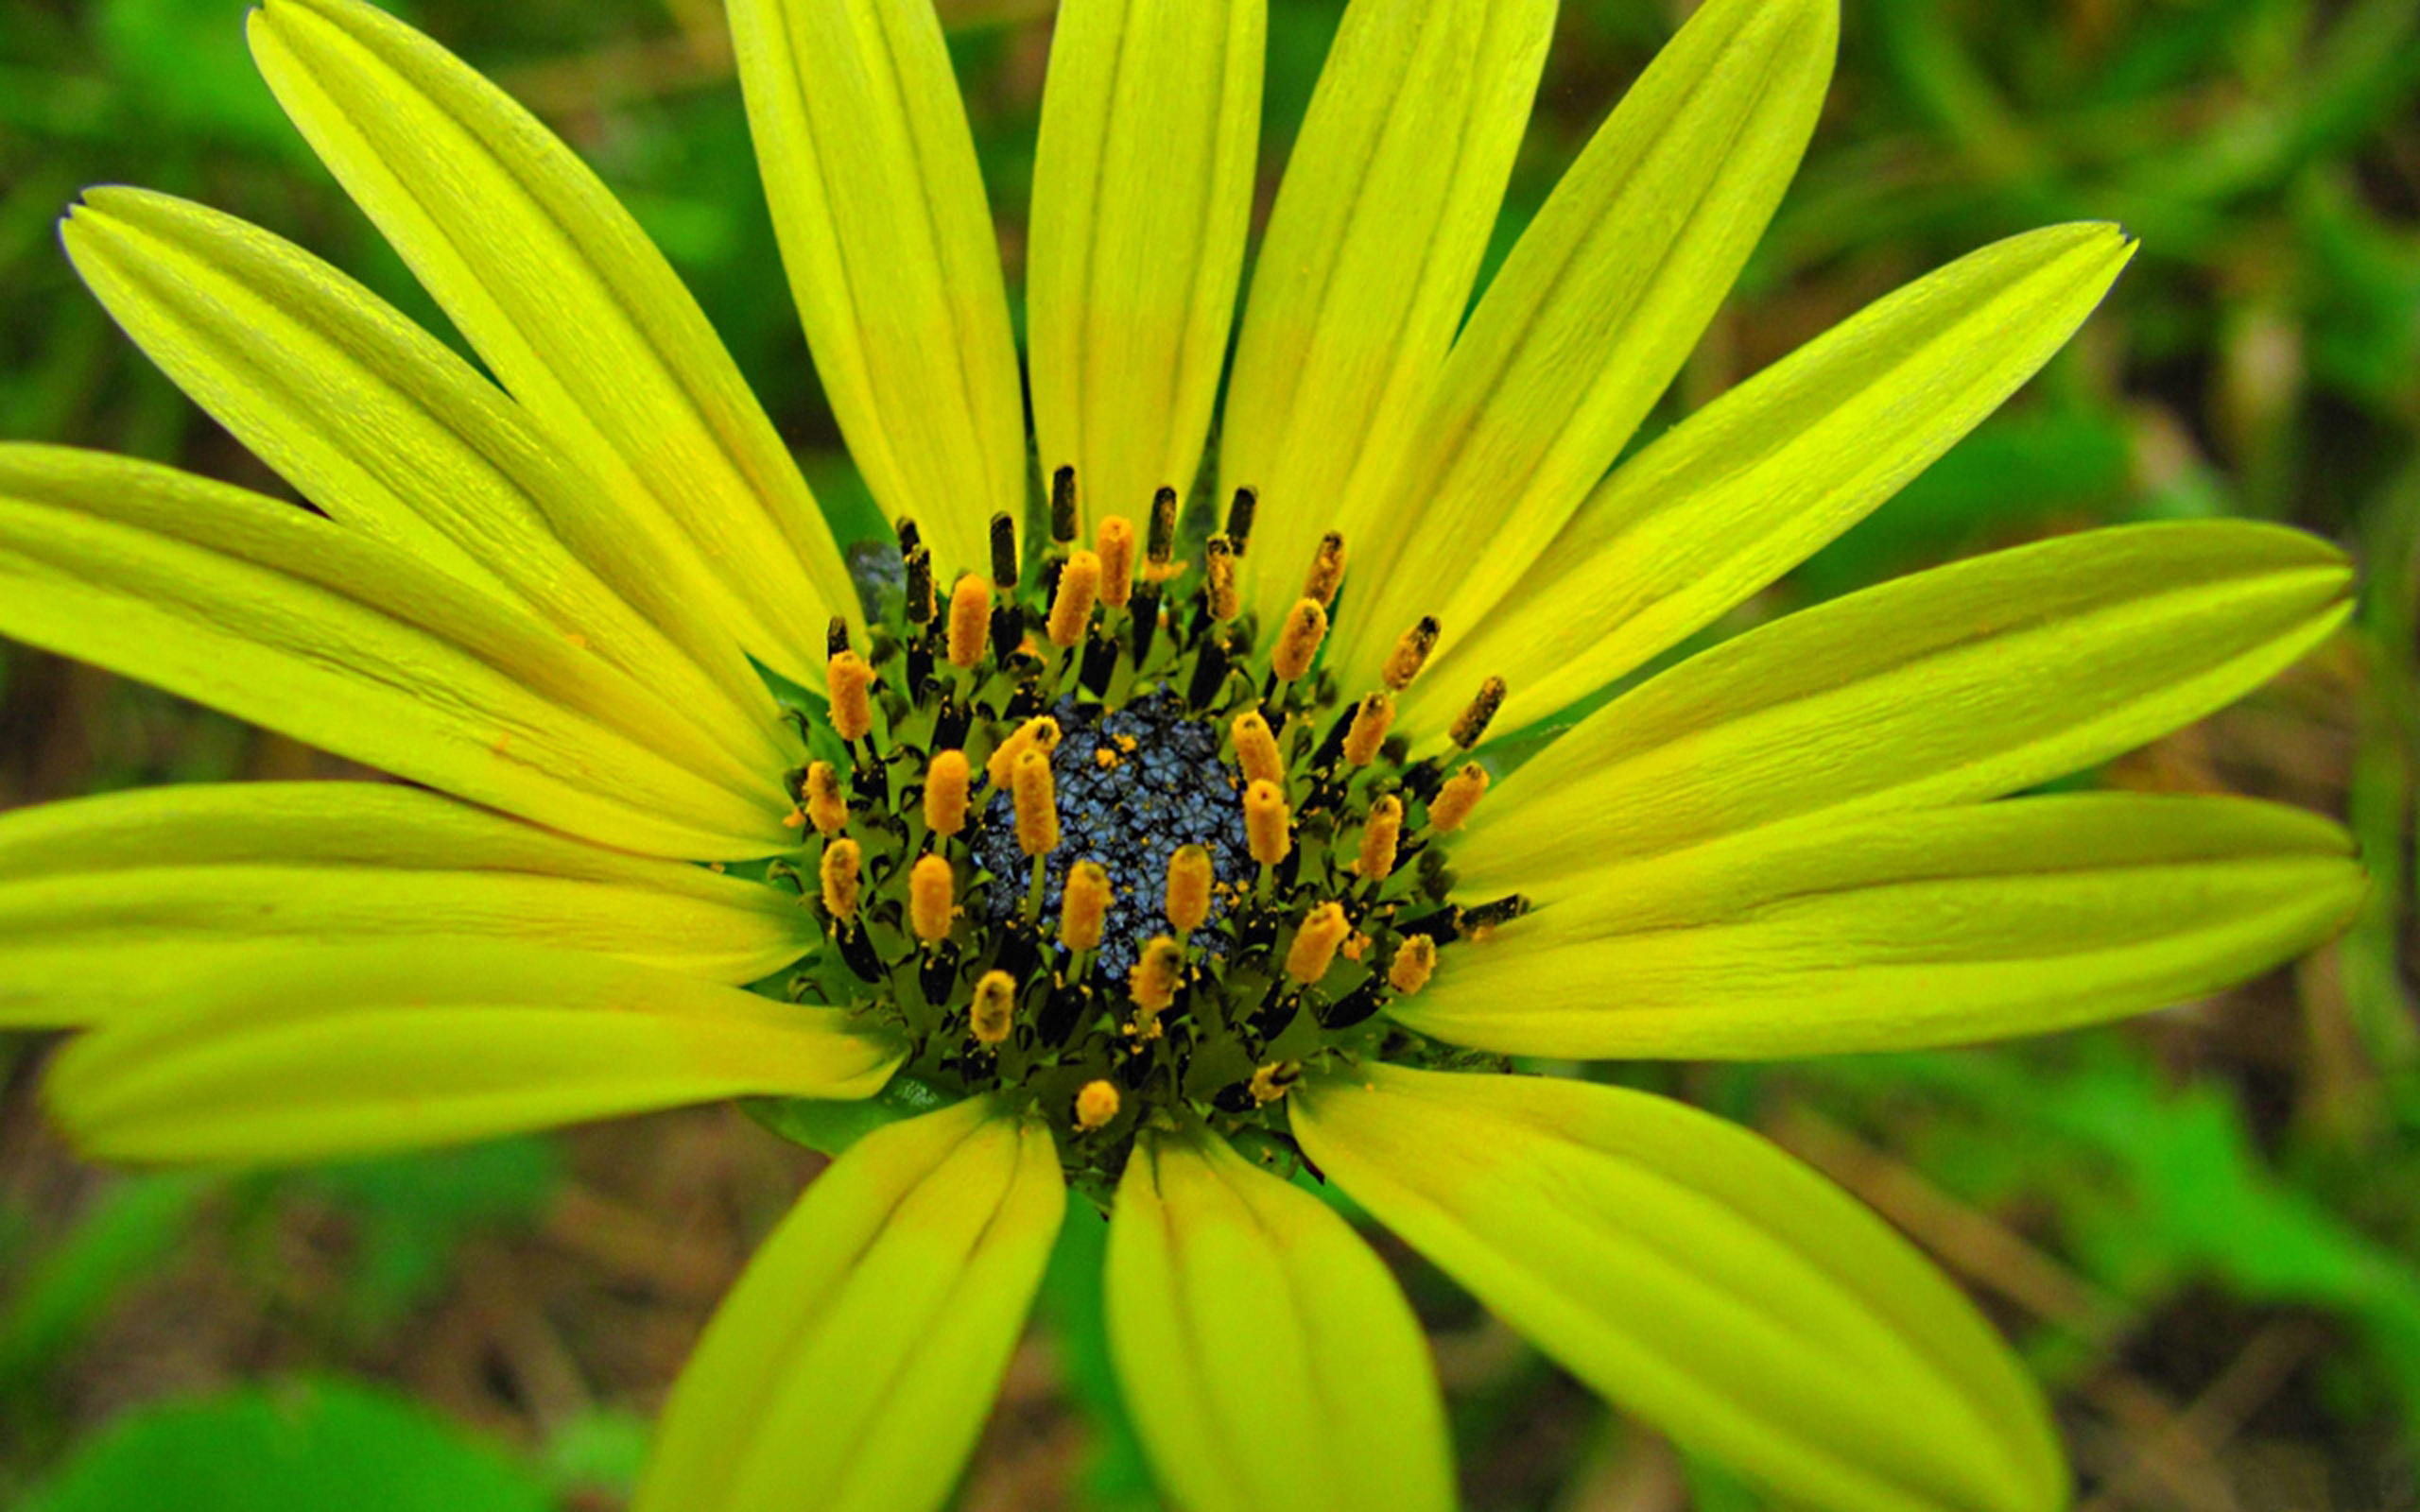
1096, 1105
1037, 800
1416, 958
1114, 544
1454, 800
1473, 724
1315, 944
838, 875
945, 783
932, 899
1256, 748
825, 808
1189, 878
1298, 639
1411, 653
1372, 718
1218, 566
970, 620
1162, 544
1378, 841
1039, 733
995, 1010
848, 680
1155, 976
1269, 1082
1072, 607
1084, 908
1327, 570
1267, 823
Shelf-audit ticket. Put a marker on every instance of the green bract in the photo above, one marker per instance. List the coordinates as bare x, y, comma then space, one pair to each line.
632, 878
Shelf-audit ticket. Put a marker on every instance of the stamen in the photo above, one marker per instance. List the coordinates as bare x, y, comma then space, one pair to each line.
1411, 653
1037, 804
970, 621
909, 537
835, 636
917, 564
1269, 1082
1454, 800
1239, 517
1327, 570
1004, 551
1153, 981
1078, 583
932, 899
847, 678
1416, 958
1368, 731
1299, 640
994, 1009
1315, 944
1379, 841
945, 783
1189, 899
1219, 564
1267, 823
1114, 544
1096, 1105
1162, 542
1473, 724
1063, 506
1039, 733
825, 808
1084, 909
838, 875
1256, 748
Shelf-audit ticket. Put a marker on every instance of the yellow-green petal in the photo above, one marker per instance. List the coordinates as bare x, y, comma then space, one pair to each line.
851, 1367
110, 904
335, 1051
1894, 931
1366, 271
1593, 313
1754, 484
1270, 1360
1694, 1274
1142, 194
888, 237
386, 429
278, 616
573, 309
1963, 683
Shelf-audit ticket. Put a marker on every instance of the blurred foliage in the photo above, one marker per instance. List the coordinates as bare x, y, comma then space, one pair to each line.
2201, 1228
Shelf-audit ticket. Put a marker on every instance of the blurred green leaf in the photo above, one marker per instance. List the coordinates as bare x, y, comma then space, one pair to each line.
411, 1211
135, 1225
184, 64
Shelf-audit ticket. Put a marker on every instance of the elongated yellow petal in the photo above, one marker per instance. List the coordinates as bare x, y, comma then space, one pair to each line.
108, 905
1591, 315
280, 617
1269, 1359
313, 1053
851, 1367
888, 238
388, 431
1939, 927
1142, 192
1689, 1271
572, 307
1965, 682
1742, 491
1367, 267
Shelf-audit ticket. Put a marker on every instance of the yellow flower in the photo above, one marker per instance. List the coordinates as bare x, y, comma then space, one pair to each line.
557, 601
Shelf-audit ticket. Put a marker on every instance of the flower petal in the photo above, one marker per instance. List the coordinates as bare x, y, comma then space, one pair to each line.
851, 1367
1142, 194
1963, 683
1755, 483
1594, 312
1689, 1271
1894, 931
109, 904
1271, 1360
341, 1050
1366, 269
573, 309
280, 617
888, 241
388, 431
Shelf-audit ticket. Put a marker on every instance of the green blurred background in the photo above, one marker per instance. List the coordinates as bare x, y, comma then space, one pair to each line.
2200, 1229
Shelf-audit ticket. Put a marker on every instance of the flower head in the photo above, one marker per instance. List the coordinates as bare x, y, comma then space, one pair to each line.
1144, 853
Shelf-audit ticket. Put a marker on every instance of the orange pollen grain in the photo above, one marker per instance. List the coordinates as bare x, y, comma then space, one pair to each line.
1071, 609
1083, 910
1416, 958
1039, 733
994, 1013
1189, 878
1454, 801
1267, 823
1256, 748
1037, 800
1153, 981
1096, 1105
1378, 841
1411, 654
839, 875
1114, 544
1316, 943
1327, 570
1219, 564
970, 620
1298, 639
1368, 731
932, 899
945, 783
848, 681
825, 808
